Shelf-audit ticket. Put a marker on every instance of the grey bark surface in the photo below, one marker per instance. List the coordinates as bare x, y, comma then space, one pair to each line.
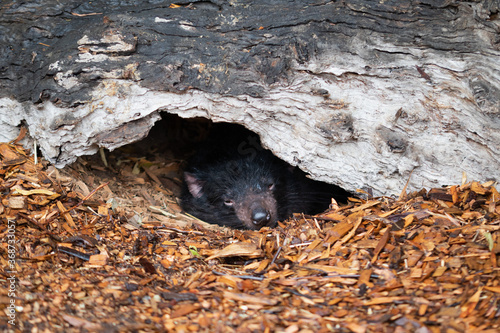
357, 93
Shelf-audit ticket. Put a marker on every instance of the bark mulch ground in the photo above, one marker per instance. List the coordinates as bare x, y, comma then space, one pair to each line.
90, 248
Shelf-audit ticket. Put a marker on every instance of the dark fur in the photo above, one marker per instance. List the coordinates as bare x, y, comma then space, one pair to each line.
232, 181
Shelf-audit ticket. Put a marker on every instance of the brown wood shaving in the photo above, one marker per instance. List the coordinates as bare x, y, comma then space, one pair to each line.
424, 262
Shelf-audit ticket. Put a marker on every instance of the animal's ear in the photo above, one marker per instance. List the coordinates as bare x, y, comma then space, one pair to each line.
195, 186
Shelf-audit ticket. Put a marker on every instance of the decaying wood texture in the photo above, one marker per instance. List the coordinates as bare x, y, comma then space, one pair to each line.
357, 93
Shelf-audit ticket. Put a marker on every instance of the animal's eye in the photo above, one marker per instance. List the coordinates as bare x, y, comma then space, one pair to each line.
271, 186
228, 202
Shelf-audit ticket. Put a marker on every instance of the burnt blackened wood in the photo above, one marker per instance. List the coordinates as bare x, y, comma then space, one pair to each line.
217, 46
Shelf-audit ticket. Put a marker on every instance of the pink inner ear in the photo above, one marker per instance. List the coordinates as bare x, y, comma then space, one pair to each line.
195, 186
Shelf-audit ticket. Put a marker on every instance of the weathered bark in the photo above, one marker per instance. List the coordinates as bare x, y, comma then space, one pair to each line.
358, 93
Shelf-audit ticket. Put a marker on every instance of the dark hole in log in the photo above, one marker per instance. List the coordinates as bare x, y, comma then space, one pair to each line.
162, 156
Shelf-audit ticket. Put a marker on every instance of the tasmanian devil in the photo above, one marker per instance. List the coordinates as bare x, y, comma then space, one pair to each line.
232, 181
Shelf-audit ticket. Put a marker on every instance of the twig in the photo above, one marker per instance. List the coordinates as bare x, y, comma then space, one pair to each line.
78, 204
275, 256
248, 277
41, 227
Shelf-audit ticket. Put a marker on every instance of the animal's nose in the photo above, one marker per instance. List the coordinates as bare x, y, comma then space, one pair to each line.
260, 216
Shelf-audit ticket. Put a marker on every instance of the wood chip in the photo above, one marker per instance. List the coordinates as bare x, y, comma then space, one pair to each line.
426, 262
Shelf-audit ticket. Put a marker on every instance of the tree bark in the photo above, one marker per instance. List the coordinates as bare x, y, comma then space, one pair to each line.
358, 93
